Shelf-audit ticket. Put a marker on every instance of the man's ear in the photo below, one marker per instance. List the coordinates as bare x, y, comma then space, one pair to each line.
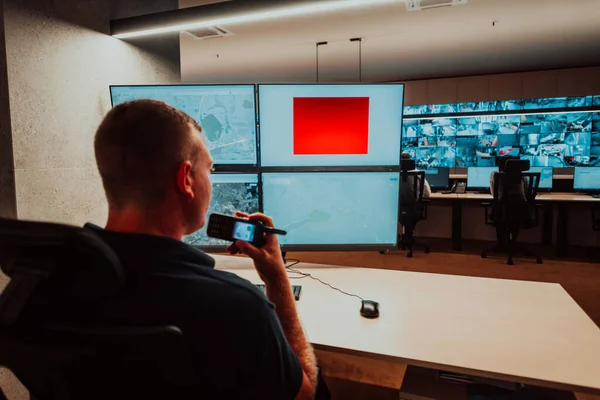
185, 180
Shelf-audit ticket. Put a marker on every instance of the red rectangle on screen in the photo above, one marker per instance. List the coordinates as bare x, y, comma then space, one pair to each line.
331, 125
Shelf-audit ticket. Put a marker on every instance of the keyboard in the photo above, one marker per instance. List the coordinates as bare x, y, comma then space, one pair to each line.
297, 289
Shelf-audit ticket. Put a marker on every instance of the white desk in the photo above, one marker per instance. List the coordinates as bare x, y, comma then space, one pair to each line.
519, 331
441, 196
542, 197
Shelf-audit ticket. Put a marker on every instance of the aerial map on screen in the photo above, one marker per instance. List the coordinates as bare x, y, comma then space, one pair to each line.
231, 193
333, 208
226, 114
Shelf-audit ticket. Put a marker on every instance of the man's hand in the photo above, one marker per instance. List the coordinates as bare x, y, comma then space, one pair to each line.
268, 259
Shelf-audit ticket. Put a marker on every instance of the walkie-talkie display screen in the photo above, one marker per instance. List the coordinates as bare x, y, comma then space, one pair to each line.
243, 231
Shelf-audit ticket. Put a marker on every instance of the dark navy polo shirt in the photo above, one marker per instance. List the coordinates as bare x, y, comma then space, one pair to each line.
236, 339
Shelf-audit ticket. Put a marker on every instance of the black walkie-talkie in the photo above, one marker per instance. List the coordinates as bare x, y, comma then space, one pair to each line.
232, 228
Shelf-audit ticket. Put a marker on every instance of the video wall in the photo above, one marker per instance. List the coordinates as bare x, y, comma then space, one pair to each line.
556, 132
322, 160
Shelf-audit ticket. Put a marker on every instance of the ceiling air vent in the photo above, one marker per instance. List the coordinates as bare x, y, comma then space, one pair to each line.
209, 32
416, 5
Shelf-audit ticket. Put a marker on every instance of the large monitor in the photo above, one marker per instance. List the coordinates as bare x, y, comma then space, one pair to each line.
231, 193
334, 210
480, 177
546, 176
552, 139
587, 178
330, 125
438, 178
227, 115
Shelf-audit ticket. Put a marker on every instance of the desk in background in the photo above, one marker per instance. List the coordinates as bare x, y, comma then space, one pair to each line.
527, 332
552, 200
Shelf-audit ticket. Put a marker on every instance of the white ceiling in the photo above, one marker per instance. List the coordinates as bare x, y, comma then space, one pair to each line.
397, 44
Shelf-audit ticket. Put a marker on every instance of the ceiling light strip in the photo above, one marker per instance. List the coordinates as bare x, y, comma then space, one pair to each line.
269, 14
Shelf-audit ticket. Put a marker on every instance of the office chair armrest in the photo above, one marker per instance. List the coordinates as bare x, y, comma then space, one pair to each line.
486, 210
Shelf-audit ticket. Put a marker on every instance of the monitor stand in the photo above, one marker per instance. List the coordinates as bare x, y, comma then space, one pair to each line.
595, 195
483, 192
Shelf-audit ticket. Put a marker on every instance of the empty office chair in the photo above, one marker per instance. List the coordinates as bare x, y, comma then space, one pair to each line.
413, 206
513, 209
79, 362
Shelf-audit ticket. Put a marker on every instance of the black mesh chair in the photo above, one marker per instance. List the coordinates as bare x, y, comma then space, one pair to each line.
413, 207
79, 362
71, 362
513, 208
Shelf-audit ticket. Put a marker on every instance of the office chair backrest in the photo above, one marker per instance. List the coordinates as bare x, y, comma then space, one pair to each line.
514, 194
501, 161
74, 259
412, 186
514, 168
71, 361
408, 165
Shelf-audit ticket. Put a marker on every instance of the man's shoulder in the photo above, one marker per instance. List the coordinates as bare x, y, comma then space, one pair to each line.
220, 285
232, 285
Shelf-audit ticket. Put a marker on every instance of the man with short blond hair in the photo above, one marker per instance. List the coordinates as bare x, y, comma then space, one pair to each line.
155, 169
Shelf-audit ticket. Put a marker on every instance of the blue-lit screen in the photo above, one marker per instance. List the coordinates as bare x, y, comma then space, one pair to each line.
227, 115
480, 177
546, 176
231, 193
438, 178
587, 179
322, 208
547, 138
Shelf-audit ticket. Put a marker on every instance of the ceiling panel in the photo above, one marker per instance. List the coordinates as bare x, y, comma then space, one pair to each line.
482, 37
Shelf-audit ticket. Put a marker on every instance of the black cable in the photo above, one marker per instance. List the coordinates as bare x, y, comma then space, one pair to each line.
294, 262
307, 275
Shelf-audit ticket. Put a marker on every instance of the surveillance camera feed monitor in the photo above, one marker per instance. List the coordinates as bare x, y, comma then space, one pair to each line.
558, 140
227, 115
330, 125
231, 193
323, 209
438, 178
546, 176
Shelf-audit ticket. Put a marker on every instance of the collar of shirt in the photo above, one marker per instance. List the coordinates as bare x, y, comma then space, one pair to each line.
146, 250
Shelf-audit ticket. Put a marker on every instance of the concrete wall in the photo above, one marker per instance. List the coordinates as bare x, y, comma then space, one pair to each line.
8, 203
59, 64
